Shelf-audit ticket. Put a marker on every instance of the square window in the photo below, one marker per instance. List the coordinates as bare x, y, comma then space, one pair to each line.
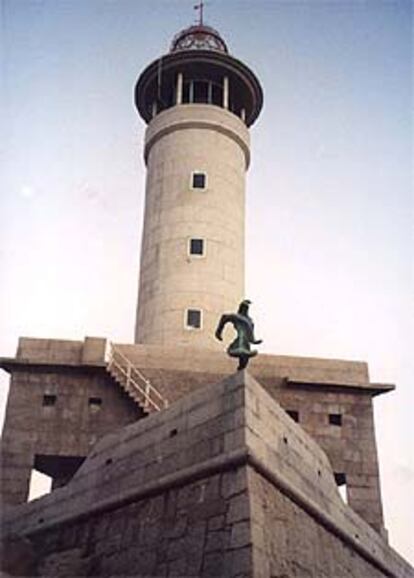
199, 180
49, 400
335, 419
293, 413
193, 320
95, 401
196, 246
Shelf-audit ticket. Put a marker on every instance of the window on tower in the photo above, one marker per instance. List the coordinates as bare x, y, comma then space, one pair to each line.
193, 319
199, 180
196, 247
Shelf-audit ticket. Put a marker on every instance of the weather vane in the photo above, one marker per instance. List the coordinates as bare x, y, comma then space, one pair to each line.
200, 7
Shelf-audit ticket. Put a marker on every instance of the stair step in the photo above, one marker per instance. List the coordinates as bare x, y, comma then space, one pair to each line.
118, 368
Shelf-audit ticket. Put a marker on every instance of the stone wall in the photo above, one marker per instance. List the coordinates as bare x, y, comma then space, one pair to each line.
191, 491
193, 359
309, 549
90, 351
314, 388
193, 530
55, 414
349, 441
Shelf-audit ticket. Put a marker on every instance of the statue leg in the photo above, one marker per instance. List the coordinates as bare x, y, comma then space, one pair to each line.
243, 361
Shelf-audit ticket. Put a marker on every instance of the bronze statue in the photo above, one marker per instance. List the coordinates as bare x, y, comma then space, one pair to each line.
244, 326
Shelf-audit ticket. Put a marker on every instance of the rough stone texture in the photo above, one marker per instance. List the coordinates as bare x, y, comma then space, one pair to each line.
350, 447
315, 388
309, 550
223, 483
182, 532
87, 406
17, 556
89, 351
178, 141
304, 369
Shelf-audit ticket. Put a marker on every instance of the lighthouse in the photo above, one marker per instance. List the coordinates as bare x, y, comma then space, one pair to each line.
199, 103
125, 429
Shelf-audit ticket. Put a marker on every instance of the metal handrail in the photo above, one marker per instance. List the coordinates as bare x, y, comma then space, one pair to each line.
147, 390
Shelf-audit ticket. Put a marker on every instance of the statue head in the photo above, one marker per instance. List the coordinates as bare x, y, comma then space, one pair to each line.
244, 307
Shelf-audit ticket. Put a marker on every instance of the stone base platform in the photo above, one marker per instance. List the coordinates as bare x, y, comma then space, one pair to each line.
314, 392
223, 483
330, 399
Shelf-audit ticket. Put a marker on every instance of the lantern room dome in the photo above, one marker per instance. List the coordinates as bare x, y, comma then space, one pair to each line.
198, 69
198, 37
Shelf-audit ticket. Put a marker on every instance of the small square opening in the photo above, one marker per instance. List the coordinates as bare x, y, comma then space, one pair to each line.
199, 180
193, 318
294, 414
49, 400
95, 401
340, 479
335, 419
196, 247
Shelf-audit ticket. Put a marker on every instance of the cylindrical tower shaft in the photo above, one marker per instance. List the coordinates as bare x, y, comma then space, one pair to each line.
192, 255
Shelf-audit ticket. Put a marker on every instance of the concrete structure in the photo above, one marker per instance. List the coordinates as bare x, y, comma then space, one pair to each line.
221, 484
199, 102
61, 401
330, 399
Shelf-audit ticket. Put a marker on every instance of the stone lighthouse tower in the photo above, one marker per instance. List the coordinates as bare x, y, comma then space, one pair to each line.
199, 103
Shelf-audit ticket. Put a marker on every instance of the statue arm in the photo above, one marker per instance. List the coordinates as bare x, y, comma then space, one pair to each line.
254, 340
223, 320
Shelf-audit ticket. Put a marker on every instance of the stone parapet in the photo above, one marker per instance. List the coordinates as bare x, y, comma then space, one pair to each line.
296, 371
33, 350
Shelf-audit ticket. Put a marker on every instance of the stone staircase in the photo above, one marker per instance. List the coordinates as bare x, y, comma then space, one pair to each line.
133, 382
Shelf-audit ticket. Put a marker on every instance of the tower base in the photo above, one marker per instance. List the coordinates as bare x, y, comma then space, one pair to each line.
223, 483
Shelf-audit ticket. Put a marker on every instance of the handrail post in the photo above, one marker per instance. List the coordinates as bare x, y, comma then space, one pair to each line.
128, 374
147, 393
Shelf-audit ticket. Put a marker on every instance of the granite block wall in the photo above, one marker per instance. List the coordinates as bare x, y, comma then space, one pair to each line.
309, 549
335, 390
54, 417
223, 483
342, 423
323, 390
194, 530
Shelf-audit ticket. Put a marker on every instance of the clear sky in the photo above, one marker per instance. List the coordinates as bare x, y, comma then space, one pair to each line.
330, 196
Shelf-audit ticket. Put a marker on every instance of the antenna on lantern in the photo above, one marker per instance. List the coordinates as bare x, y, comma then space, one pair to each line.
200, 7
